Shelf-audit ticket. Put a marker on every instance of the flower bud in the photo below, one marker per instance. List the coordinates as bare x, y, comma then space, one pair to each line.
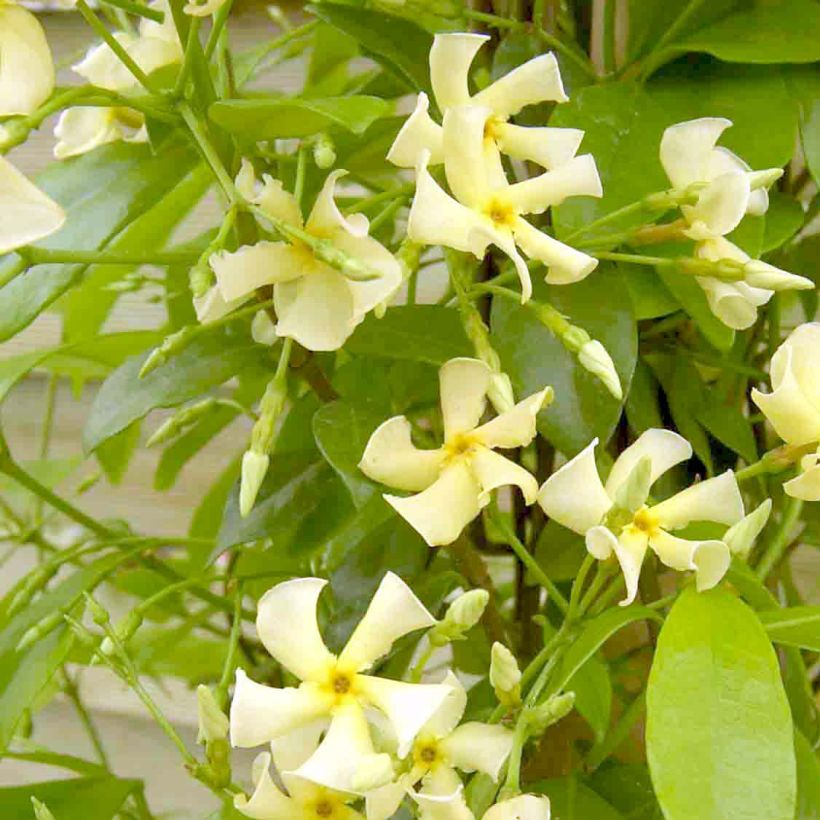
541, 717
461, 616
254, 468
373, 771
760, 274
575, 338
505, 676
179, 421
99, 614
263, 330
41, 811
500, 392
594, 358
324, 152
124, 630
633, 492
213, 723
529, 806
740, 537
171, 345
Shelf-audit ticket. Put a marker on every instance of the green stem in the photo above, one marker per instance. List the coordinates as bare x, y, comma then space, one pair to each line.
377, 199
220, 19
652, 60
612, 216
12, 271
619, 733
233, 645
283, 40
776, 461
191, 48
137, 8
421, 664
209, 152
301, 168
71, 690
577, 584
602, 575
637, 259
781, 538
47, 256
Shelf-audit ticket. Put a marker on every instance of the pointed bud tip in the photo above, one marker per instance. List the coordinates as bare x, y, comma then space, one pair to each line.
254, 468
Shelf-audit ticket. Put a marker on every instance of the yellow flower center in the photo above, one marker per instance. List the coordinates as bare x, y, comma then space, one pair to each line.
339, 685
459, 445
491, 127
324, 808
129, 117
427, 754
644, 521
500, 212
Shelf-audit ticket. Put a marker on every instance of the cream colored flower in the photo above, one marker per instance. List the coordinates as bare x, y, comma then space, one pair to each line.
727, 191
487, 210
315, 304
205, 9
84, 128
615, 518
536, 81
793, 406
27, 213
26, 67
334, 687
443, 746
453, 482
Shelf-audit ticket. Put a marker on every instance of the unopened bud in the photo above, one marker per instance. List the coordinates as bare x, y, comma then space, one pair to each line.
41, 811
760, 274
324, 152
505, 676
200, 279
765, 178
213, 722
171, 345
124, 630
179, 421
500, 392
575, 338
254, 468
263, 330
740, 537
373, 771
99, 614
594, 358
541, 717
461, 616
13, 132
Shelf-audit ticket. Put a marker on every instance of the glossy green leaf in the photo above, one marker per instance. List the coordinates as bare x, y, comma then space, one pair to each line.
628, 789
650, 297
266, 119
804, 84
642, 407
728, 425
124, 397
593, 695
783, 220
797, 626
114, 454
560, 551
715, 692
83, 798
534, 358
808, 779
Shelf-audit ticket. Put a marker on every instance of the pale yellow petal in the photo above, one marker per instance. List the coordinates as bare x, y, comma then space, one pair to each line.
721, 205
276, 202
26, 68
211, 306
291, 750
600, 542
384, 802
545, 146
102, 67
419, 133
708, 559
441, 796
806, 486
492, 470
239, 273
451, 56
523, 807
153, 53
326, 218
630, 550
577, 177
205, 9
478, 747
463, 385
538, 80
663, 448
686, 149
267, 802
82, 129
731, 302
517, 426
566, 264
716, 499
449, 714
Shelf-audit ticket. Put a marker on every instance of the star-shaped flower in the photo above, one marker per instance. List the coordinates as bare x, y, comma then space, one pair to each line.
447, 802
454, 481
615, 517
315, 304
486, 210
334, 687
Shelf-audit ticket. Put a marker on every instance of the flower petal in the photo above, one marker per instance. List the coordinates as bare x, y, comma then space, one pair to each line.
441, 796
515, 427
716, 499
101, 67
26, 67
630, 550
721, 205
730, 302
663, 448
547, 147
798, 355
494, 470
806, 486
709, 559
28, 214
686, 149
326, 218
260, 713
441, 512
537, 80
391, 458
211, 306
287, 626
600, 542
478, 747
316, 310
384, 802
566, 264
451, 56
523, 807
205, 9
291, 750
239, 273
504, 240
574, 495
419, 133
408, 706
275, 201
82, 129
153, 53
463, 385
267, 802
448, 715
393, 612
577, 177
437, 219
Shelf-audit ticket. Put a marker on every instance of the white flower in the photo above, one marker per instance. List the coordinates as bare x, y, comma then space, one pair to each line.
84, 128
453, 482
614, 517
538, 80
523, 807
26, 68
442, 747
793, 406
487, 210
315, 304
28, 214
726, 193
204, 9
333, 687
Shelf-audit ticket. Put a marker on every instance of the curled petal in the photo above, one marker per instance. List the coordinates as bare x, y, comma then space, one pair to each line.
291, 750
709, 559
384, 802
449, 714
716, 499
721, 161
806, 486
451, 56
566, 264
740, 537
547, 147
287, 626
393, 612
515, 427
153, 53
261, 713
630, 549
276, 202
523, 807
267, 802
211, 306
504, 240
537, 80
28, 214
663, 448
441, 796
391, 458
101, 67
26, 68
82, 129
408, 706
577, 177
686, 149
721, 205
734, 303
166, 30
463, 385
241, 272
441, 512
478, 747
798, 356
574, 495
494, 470
600, 542
326, 218
419, 133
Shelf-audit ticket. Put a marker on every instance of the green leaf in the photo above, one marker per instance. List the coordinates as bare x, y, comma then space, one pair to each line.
719, 733
804, 84
728, 425
16, 368
593, 695
650, 297
534, 358
560, 551
114, 454
396, 43
628, 788
797, 626
62, 761
207, 517
267, 119
422, 333
808, 779
102, 192
572, 800
124, 397
784, 219
82, 798
642, 408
